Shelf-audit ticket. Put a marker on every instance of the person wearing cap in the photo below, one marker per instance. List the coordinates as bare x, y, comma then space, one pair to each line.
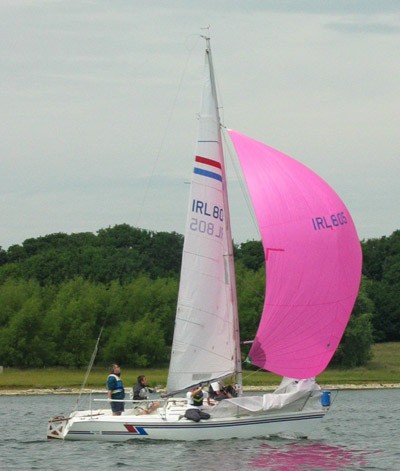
115, 389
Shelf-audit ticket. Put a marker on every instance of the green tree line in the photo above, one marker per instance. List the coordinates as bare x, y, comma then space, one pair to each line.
58, 291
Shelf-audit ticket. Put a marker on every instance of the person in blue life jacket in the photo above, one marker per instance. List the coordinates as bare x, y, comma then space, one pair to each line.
115, 389
195, 399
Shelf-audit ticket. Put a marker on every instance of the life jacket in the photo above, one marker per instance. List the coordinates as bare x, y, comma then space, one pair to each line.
119, 388
197, 399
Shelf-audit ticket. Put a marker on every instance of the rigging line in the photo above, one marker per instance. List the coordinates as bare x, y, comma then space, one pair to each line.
169, 120
239, 176
90, 365
219, 98
252, 373
250, 287
89, 368
243, 187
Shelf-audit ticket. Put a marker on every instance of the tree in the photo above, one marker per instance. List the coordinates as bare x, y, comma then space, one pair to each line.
3, 256
251, 292
73, 321
251, 254
10, 271
123, 236
137, 344
58, 291
376, 253
14, 294
355, 349
165, 254
21, 341
382, 264
386, 318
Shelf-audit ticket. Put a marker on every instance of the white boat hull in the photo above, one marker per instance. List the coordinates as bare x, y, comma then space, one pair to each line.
100, 425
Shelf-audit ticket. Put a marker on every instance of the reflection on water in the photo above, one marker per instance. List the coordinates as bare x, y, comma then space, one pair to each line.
308, 456
359, 421
275, 454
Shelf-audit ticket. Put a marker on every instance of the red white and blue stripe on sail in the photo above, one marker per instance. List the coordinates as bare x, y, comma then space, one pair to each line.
207, 168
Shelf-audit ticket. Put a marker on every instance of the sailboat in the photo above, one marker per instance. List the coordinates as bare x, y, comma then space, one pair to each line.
313, 267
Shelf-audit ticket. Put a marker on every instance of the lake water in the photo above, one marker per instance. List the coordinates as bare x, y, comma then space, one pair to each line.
361, 432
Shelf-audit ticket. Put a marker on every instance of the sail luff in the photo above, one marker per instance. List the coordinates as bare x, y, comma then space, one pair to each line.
230, 256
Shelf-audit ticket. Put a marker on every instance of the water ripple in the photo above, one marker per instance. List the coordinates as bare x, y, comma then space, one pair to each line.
359, 434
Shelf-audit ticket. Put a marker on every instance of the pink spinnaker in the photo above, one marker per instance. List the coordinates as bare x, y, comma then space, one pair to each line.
313, 261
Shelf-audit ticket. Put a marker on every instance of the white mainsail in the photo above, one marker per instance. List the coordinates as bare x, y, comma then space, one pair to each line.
206, 326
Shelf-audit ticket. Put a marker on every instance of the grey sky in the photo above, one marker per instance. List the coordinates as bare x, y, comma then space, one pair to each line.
98, 103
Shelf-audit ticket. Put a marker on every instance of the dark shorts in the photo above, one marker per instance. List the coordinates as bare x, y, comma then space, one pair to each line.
196, 415
118, 406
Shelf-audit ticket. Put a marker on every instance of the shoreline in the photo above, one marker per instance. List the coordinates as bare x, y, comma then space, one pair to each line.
77, 391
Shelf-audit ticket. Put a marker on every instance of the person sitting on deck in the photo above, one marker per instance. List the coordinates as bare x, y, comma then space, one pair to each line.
218, 391
195, 399
141, 393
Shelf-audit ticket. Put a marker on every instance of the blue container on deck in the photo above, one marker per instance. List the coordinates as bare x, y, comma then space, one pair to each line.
326, 398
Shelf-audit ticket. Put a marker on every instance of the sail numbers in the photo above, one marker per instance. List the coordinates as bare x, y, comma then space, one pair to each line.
212, 225
204, 227
213, 211
329, 222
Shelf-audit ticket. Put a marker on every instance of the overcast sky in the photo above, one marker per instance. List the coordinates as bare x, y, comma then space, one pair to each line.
98, 104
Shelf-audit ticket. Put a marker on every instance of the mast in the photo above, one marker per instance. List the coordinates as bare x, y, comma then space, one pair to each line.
228, 232
205, 346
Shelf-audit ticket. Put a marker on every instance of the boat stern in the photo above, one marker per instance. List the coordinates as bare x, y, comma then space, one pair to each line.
56, 428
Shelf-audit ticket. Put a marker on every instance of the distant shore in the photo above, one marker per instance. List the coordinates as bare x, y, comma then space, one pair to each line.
42, 392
